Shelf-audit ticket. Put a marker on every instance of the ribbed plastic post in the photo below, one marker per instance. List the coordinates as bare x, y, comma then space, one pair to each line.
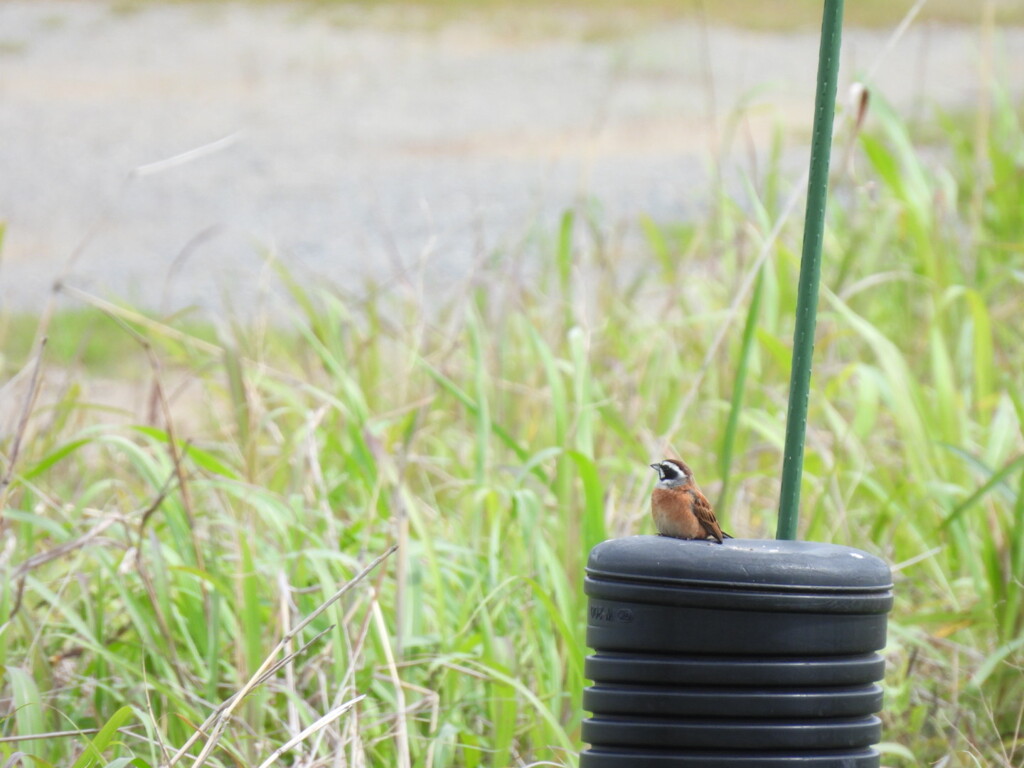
750, 653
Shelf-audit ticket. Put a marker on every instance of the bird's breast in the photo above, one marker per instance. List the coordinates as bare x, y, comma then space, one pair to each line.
673, 515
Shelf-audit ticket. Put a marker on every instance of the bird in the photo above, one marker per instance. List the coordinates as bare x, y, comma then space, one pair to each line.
679, 508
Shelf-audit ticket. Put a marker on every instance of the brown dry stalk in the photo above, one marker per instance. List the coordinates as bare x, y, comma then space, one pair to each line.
22, 428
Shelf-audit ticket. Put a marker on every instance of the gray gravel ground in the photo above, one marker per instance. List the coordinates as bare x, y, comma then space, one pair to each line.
171, 148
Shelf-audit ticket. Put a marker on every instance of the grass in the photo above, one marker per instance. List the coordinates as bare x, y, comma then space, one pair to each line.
602, 18
207, 562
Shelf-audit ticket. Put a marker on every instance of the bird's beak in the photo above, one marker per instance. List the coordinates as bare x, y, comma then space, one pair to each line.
655, 467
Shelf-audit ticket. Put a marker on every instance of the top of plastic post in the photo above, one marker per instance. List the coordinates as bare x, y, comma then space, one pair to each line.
758, 564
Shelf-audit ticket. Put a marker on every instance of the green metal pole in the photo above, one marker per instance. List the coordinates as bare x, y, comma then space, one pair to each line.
810, 268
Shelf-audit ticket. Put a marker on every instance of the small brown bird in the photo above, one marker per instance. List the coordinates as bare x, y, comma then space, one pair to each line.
679, 508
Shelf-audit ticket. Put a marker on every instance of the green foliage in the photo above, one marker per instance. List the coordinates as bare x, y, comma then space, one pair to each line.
152, 564
607, 17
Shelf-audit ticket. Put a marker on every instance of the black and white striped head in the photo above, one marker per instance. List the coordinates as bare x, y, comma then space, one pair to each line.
672, 473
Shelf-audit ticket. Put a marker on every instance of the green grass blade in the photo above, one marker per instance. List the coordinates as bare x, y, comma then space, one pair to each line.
93, 752
739, 385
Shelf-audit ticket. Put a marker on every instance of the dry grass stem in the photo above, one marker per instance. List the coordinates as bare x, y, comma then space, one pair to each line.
218, 719
319, 725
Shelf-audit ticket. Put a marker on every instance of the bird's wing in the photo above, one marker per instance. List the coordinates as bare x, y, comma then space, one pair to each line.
706, 516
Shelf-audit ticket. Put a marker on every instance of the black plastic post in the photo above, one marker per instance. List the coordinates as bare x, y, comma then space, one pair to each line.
750, 653
747, 654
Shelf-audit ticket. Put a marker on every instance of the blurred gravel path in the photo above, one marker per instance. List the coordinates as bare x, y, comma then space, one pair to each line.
350, 148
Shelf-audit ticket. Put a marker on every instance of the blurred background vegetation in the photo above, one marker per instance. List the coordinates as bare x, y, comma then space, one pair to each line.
155, 555
766, 15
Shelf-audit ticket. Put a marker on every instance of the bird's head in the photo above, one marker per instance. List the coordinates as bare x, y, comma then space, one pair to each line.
672, 473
